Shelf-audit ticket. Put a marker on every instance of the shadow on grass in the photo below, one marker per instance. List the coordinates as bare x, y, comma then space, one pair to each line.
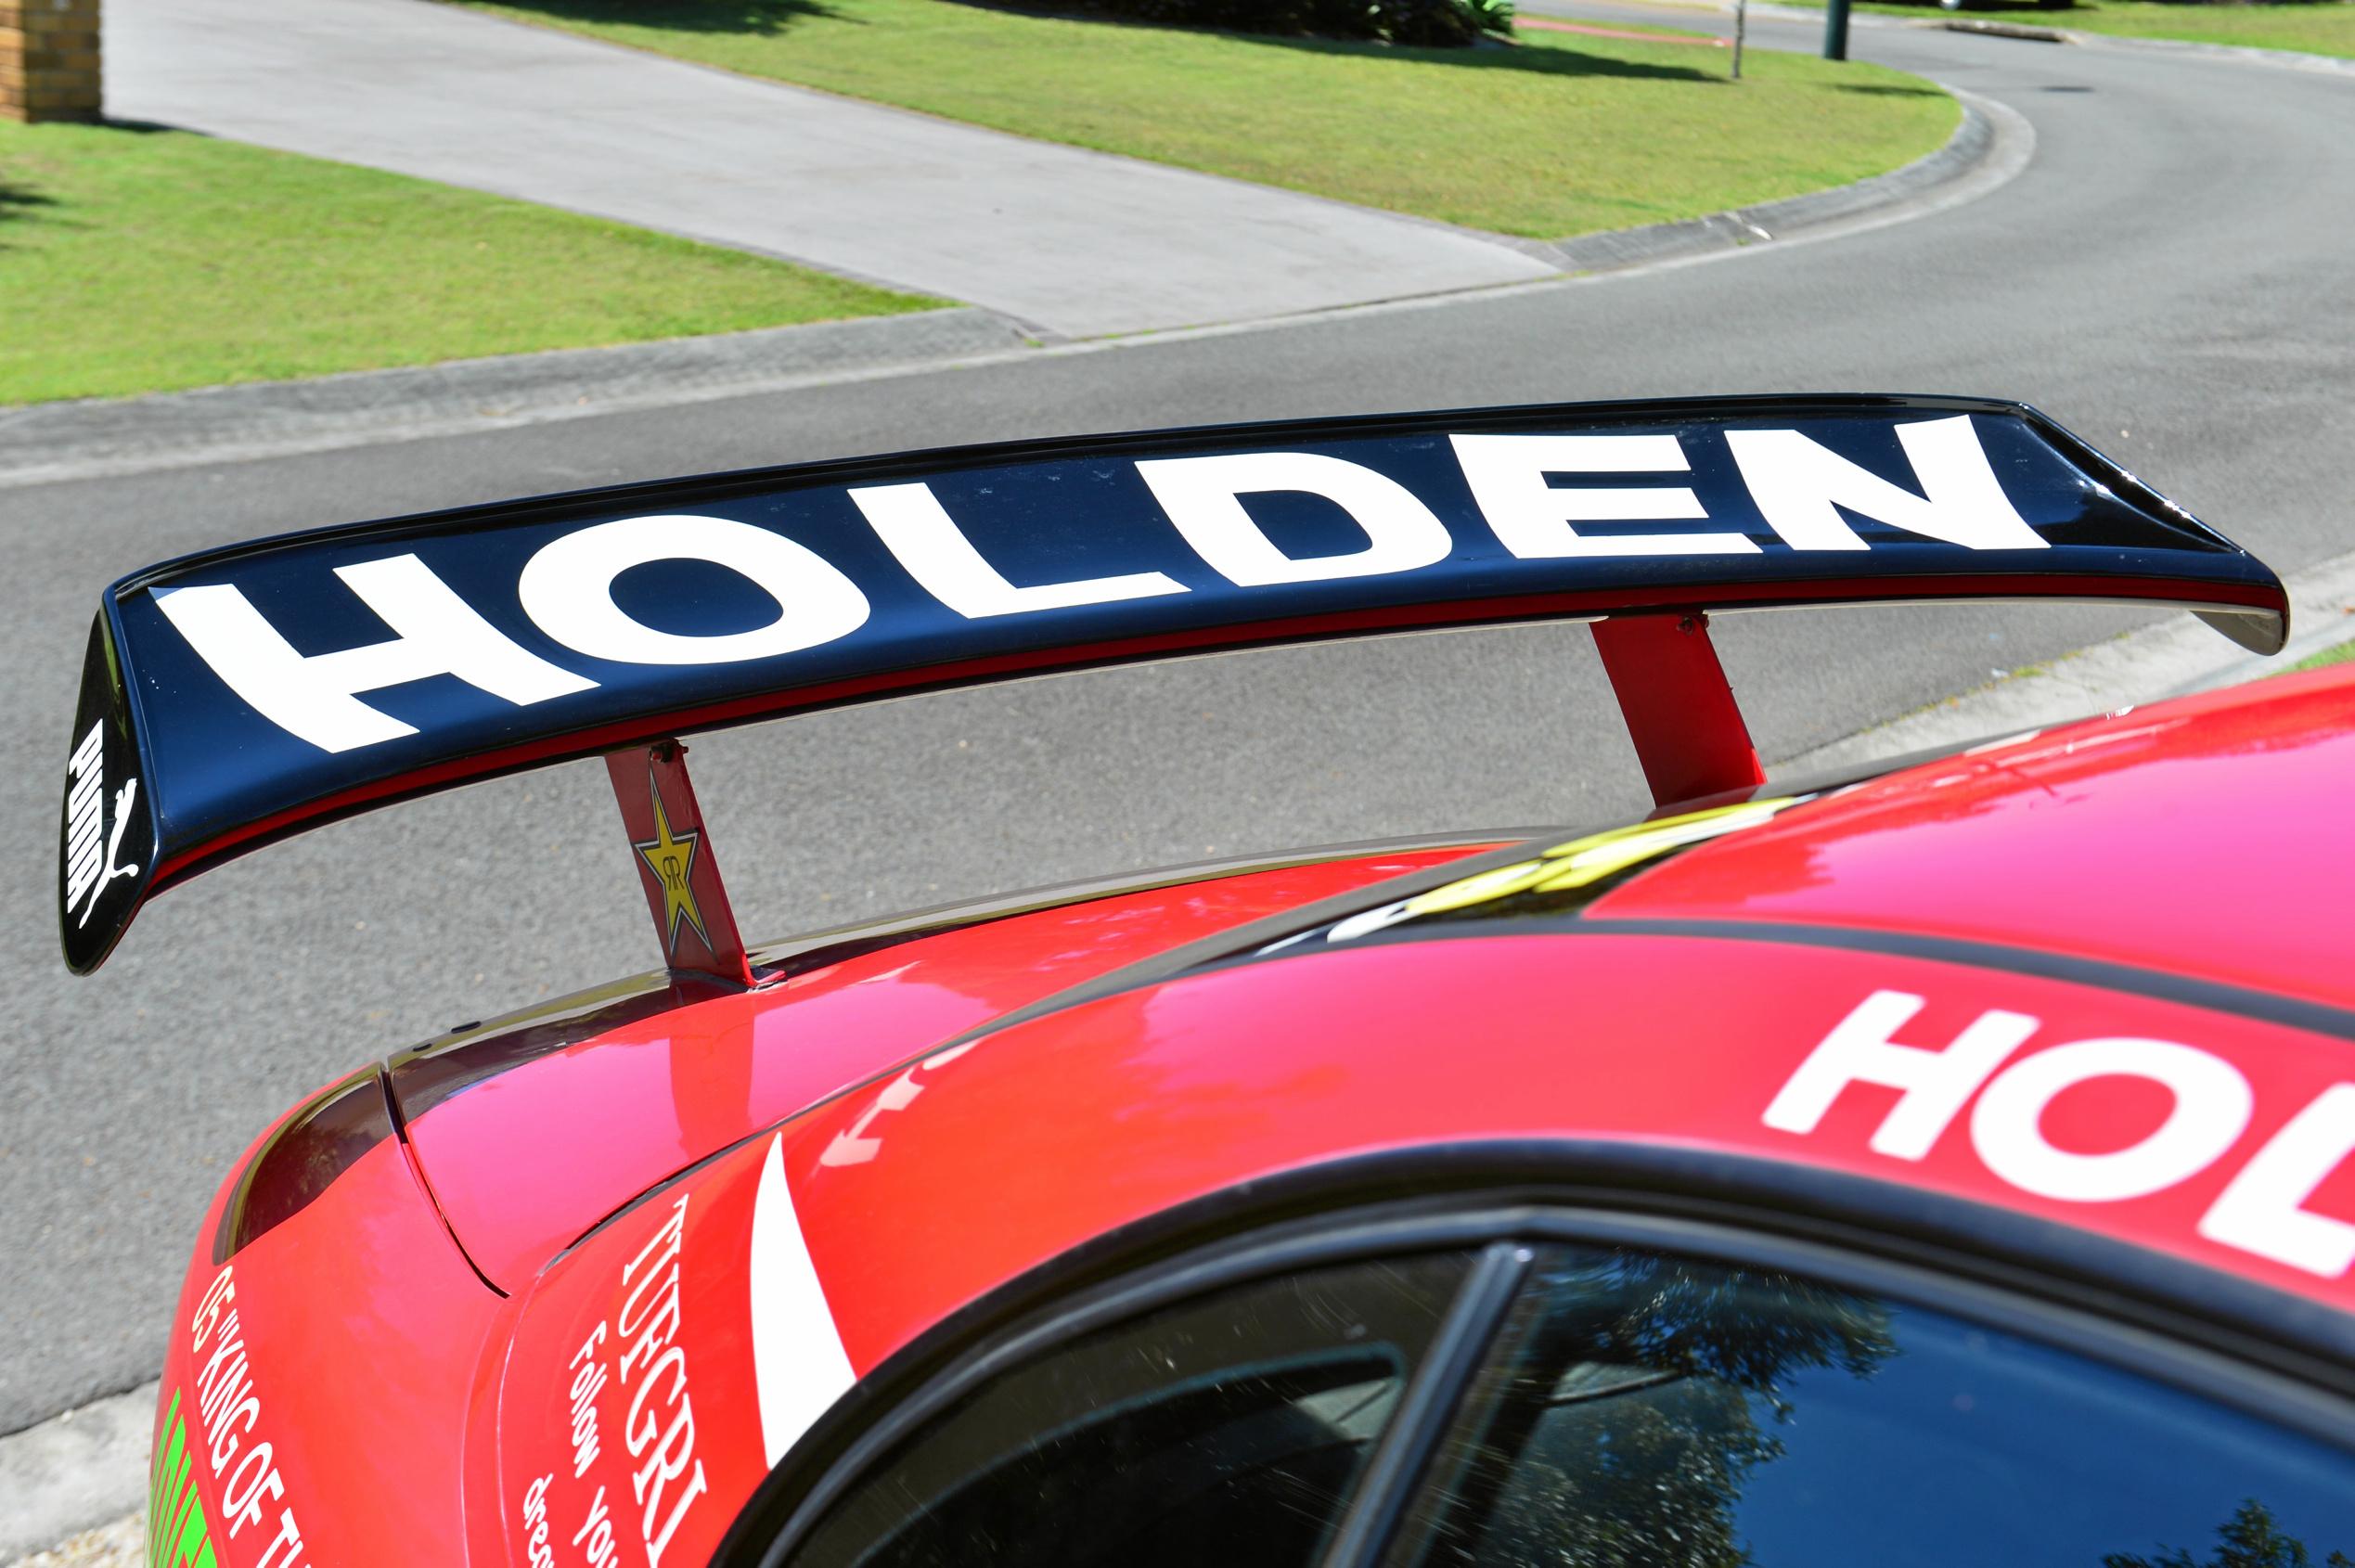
758, 18
18, 202
1548, 59
24, 203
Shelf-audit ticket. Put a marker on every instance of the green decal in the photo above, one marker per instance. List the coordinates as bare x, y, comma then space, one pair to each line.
177, 1534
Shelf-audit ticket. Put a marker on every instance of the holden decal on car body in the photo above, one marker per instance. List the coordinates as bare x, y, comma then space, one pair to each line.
2262, 1210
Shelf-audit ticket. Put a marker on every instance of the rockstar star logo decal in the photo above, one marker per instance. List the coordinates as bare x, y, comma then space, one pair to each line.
671, 856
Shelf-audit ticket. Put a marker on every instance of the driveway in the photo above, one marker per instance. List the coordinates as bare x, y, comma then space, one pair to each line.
1075, 243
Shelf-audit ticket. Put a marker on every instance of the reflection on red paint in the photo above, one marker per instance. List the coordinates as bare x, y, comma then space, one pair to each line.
526, 1160
2210, 838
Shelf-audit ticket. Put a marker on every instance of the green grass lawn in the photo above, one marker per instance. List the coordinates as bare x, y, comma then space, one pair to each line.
1564, 135
2314, 27
137, 261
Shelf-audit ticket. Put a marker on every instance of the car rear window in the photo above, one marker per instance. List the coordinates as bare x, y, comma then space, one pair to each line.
1647, 1410
1227, 1432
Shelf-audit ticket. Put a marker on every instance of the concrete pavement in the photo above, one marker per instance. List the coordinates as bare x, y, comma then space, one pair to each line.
1077, 243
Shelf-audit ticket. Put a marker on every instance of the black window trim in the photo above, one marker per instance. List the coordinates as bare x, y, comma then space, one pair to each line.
1126, 1297
1427, 1408
2280, 1358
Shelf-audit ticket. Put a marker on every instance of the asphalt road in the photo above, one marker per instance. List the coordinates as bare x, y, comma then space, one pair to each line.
2168, 277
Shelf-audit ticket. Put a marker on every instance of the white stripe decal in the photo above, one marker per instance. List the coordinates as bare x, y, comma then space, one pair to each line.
799, 1365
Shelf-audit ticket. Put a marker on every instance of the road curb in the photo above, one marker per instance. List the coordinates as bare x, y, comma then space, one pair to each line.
1974, 142
52, 443
2245, 54
87, 438
85, 1468
2279, 59
2174, 658
2007, 29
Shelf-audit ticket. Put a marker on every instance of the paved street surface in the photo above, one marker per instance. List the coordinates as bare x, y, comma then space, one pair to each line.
1079, 243
2168, 277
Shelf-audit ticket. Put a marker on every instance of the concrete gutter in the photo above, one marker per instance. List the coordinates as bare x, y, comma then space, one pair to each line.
74, 1471
119, 1544
52, 443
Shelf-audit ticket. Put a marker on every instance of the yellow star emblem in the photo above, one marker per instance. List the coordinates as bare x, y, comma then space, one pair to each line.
671, 856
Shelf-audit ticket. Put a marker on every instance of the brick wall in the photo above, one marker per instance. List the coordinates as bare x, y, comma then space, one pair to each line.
49, 59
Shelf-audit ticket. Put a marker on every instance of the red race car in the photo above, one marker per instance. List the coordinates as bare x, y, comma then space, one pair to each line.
1949, 1165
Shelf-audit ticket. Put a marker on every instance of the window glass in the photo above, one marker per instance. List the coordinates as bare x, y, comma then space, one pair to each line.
1649, 1411
1227, 1433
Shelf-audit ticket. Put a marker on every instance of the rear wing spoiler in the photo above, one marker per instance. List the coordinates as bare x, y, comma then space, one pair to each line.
241, 695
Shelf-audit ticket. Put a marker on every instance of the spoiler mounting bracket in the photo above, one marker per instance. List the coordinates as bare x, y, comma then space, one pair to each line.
673, 850
1689, 734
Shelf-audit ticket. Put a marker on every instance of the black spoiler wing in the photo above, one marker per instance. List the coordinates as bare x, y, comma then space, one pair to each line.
232, 697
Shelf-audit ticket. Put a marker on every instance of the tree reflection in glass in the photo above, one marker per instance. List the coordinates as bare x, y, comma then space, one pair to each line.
2250, 1539
1629, 1414
1646, 1411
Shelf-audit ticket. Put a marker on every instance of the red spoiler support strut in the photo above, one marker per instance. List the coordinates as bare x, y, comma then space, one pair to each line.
1689, 734
674, 863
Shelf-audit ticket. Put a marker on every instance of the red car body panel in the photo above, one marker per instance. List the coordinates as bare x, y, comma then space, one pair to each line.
361, 1304
2209, 835
623, 1110
1064, 1128
365, 1296
2202, 840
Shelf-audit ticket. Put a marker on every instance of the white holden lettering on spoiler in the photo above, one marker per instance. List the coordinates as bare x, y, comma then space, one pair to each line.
924, 538
315, 695
1532, 518
799, 1365
2262, 1210
1800, 485
1202, 497
566, 588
